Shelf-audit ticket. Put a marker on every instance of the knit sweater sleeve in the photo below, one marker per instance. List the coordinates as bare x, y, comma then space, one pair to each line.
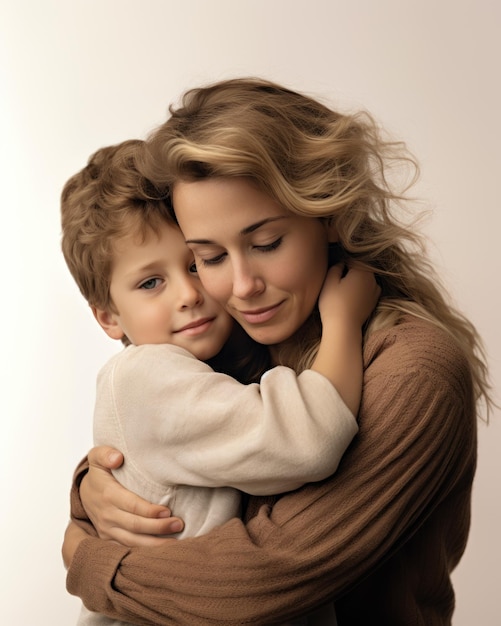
414, 446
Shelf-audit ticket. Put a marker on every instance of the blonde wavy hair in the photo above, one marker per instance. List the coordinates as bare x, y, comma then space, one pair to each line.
319, 163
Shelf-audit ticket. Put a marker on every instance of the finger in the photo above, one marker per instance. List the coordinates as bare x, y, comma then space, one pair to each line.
135, 506
334, 273
336, 270
130, 530
361, 275
159, 526
133, 513
105, 457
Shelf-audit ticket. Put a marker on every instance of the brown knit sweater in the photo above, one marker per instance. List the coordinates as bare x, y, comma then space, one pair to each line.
380, 537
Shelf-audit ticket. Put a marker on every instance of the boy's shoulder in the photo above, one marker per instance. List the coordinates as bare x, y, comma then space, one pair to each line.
145, 358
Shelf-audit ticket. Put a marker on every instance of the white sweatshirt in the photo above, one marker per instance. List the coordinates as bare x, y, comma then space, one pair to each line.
192, 438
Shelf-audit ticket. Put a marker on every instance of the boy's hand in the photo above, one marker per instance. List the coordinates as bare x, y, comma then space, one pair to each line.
351, 298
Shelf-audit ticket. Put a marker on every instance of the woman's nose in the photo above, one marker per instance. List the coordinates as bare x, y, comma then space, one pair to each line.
247, 283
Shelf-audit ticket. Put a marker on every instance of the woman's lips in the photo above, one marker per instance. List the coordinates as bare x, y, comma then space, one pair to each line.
260, 316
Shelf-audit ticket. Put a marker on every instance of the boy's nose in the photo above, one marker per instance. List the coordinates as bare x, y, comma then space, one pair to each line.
190, 294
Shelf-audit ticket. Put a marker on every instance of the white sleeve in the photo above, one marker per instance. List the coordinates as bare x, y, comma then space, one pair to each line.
190, 425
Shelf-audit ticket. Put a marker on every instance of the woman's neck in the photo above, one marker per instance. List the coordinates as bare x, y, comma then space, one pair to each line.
297, 352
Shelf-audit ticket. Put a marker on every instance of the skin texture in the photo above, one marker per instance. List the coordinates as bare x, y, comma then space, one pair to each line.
159, 298
264, 264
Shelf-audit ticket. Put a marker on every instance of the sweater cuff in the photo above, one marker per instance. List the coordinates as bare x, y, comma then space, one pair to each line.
92, 571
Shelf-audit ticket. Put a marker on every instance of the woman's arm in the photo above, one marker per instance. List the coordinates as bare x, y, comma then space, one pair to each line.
416, 447
72, 538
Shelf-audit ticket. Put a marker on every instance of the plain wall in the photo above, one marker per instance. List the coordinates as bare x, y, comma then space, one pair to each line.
80, 74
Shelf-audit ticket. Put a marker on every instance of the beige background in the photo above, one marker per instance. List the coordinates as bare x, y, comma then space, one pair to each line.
80, 74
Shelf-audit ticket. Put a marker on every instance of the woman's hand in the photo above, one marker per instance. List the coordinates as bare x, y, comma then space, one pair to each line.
116, 512
72, 538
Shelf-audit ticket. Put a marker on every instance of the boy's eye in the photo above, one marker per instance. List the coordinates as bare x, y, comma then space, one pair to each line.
151, 283
193, 268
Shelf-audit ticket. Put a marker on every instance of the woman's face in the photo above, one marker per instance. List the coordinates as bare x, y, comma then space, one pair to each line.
264, 264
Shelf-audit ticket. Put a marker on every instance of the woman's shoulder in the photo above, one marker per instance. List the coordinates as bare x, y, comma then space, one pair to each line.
420, 349
418, 387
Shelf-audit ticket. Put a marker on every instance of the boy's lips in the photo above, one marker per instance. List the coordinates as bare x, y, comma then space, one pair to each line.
196, 326
262, 315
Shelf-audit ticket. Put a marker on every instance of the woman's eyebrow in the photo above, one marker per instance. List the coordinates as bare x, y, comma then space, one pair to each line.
253, 227
245, 231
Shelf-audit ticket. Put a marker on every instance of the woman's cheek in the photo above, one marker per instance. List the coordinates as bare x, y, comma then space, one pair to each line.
215, 284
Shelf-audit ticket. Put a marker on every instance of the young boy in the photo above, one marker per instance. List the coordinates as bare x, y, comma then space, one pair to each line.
192, 437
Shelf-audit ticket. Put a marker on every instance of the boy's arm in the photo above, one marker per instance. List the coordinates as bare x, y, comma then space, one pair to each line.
345, 303
205, 429
276, 454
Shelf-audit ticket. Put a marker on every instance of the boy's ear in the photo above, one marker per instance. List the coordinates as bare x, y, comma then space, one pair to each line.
108, 323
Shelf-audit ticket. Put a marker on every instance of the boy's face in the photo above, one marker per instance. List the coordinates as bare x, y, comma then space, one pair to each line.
159, 297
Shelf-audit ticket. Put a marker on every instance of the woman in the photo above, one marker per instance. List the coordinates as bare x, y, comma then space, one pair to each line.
257, 176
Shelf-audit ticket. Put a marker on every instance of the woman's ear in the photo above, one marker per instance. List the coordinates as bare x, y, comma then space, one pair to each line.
108, 323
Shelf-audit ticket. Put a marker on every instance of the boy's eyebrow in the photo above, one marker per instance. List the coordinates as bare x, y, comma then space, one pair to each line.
245, 231
147, 267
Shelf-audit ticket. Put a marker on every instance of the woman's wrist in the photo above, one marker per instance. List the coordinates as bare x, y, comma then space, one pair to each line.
77, 509
73, 536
